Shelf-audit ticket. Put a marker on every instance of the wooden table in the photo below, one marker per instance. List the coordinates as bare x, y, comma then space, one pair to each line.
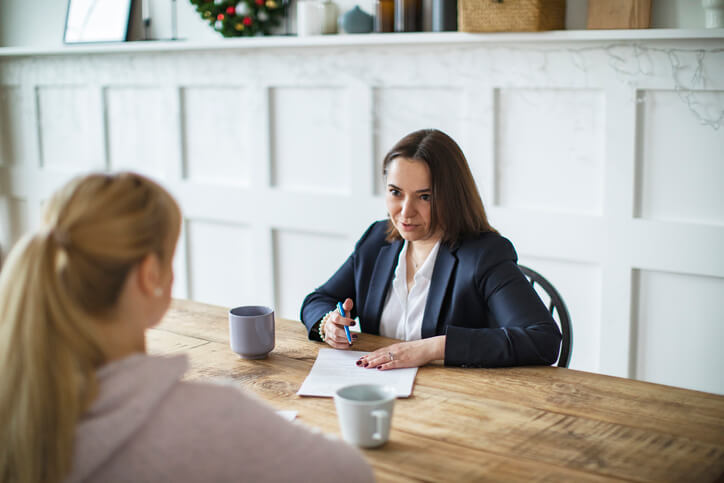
516, 424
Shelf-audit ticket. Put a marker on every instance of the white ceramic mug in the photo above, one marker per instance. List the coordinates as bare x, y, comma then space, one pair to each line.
365, 413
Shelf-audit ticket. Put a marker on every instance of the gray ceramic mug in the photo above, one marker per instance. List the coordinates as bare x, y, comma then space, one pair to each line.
251, 331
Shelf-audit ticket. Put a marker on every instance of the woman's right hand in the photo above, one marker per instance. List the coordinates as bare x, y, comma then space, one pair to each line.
334, 334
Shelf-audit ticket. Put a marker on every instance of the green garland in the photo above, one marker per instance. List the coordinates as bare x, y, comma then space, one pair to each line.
237, 18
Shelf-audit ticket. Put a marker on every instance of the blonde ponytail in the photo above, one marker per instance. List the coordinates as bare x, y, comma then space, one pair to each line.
55, 287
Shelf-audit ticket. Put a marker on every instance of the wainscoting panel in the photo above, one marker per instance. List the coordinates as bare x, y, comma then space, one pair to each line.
309, 139
679, 329
580, 286
402, 110
599, 158
15, 140
216, 134
230, 282
68, 128
305, 261
14, 222
681, 166
566, 125
141, 126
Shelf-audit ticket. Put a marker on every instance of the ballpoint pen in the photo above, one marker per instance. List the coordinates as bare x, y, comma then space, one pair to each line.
346, 329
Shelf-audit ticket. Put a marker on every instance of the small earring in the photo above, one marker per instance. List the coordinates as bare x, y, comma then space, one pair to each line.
158, 291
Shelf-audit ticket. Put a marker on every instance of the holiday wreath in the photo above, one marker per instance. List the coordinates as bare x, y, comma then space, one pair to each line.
234, 18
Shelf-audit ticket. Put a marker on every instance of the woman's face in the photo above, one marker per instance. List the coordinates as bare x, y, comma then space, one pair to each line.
409, 198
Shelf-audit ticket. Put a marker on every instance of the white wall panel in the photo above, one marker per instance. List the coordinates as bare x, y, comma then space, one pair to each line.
681, 166
596, 156
14, 138
579, 285
216, 134
220, 263
181, 287
398, 111
69, 131
549, 152
680, 330
142, 130
304, 262
14, 222
309, 139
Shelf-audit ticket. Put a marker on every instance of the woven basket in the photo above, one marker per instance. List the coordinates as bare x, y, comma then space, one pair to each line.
511, 15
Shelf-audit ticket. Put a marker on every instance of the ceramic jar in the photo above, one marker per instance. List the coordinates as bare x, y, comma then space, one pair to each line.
356, 21
713, 13
316, 17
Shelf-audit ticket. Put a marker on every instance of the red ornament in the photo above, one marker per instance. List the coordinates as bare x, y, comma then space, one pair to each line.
247, 21
260, 2
230, 10
220, 16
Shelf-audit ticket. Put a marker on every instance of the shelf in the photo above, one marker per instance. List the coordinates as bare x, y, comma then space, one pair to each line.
370, 40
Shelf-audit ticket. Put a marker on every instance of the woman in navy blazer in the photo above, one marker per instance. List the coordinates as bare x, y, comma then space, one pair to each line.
435, 273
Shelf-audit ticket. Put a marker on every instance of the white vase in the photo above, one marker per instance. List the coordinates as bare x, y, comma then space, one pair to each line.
330, 17
310, 18
316, 17
713, 13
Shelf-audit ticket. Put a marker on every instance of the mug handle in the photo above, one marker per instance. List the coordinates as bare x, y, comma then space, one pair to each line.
381, 416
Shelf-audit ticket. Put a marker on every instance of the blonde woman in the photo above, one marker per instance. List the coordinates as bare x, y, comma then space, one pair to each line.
80, 400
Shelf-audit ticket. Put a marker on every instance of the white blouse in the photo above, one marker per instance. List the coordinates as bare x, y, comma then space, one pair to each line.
403, 311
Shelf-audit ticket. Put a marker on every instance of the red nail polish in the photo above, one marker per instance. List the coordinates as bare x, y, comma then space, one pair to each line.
359, 363
366, 364
379, 367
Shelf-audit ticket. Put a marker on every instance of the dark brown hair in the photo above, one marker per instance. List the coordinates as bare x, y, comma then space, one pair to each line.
456, 205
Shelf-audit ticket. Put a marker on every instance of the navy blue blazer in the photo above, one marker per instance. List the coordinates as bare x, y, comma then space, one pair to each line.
478, 297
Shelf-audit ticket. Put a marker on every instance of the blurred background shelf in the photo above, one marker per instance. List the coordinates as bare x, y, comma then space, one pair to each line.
363, 40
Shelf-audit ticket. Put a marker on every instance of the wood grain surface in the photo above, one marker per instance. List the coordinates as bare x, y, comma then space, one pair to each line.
513, 424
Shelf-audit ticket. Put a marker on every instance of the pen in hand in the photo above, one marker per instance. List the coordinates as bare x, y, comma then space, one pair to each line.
346, 329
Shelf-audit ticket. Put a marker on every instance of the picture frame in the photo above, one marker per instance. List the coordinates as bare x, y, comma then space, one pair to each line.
89, 21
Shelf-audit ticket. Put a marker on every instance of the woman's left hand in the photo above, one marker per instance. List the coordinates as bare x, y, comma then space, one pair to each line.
415, 353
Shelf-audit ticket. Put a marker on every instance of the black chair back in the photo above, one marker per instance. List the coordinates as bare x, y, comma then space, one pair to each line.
555, 306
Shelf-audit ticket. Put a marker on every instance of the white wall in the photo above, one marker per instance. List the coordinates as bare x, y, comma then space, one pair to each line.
41, 23
600, 159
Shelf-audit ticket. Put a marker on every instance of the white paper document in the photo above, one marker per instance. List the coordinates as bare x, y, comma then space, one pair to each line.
337, 368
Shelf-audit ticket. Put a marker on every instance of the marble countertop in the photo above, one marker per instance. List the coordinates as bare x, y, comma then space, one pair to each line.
363, 40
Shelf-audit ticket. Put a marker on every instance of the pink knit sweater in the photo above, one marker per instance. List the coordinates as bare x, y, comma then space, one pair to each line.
149, 426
